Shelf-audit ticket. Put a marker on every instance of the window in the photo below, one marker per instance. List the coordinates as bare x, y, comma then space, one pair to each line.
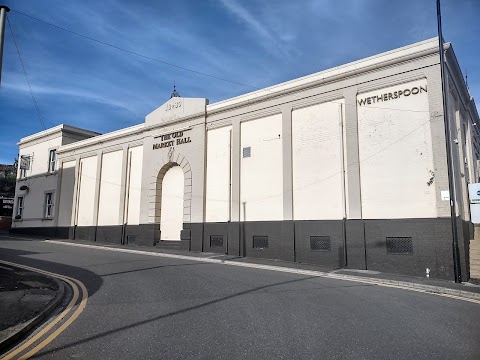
49, 204
53, 160
23, 173
20, 207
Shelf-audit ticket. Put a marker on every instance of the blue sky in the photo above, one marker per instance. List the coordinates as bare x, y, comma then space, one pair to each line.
258, 43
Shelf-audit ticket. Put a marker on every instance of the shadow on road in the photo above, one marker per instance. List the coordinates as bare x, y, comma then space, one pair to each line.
151, 268
173, 313
92, 281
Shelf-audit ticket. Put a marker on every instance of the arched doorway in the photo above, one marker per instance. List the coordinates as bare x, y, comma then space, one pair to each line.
171, 218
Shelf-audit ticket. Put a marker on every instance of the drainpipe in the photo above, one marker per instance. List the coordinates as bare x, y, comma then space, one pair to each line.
453, 215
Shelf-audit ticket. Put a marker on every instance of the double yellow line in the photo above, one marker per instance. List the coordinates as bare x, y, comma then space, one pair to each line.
77, 287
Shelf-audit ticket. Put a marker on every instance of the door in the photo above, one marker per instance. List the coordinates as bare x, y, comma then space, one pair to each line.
171, 210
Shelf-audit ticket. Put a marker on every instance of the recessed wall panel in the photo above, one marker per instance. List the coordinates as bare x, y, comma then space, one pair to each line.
134, 184
217, 206
110, 188
86, 193
395, 149
67, 187
317, 148
261, 185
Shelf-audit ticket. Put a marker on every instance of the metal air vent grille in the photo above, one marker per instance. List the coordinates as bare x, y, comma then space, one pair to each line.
399, 245
320, 243
260, 242
216, 240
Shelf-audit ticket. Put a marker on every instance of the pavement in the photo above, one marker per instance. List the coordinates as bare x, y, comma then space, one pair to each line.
26, 298
469, 289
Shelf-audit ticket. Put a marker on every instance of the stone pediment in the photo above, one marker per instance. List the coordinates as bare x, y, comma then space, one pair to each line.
175, 109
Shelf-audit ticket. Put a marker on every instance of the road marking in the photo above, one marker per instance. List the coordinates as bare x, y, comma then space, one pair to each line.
433, 290
75, 284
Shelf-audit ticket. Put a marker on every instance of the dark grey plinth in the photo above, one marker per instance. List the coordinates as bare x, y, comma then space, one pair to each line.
233, 239
280, 245
215, 229
185, 245
142, 235
290, 240
85, 233
196, 235
333, 229
355, 243
110, 234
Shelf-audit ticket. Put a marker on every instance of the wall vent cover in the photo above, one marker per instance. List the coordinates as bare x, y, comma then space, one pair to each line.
260, 242
247, 151
216, 240
399, 245
320, 243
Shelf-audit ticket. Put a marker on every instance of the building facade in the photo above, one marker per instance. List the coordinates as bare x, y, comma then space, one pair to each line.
343, 168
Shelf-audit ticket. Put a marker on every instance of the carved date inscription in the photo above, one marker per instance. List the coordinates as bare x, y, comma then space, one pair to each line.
174, 105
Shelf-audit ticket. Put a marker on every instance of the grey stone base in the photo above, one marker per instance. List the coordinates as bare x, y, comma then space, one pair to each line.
85, 233
359, 244
109, 234
142, 235
46, 232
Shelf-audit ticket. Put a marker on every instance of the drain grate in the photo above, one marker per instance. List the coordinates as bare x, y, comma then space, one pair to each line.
216, 240
260, 242
320, 243
399, 245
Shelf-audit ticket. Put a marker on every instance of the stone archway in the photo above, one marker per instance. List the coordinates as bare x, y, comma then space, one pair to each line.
155, 192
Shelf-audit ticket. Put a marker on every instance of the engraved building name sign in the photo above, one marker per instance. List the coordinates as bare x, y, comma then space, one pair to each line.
172, 139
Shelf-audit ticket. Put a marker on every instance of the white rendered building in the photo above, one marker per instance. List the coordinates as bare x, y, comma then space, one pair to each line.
345, 168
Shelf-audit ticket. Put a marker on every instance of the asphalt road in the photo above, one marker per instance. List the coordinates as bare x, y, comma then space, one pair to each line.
143, 307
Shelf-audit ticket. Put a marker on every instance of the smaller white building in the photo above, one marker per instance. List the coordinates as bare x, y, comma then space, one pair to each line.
343, 168
38, 175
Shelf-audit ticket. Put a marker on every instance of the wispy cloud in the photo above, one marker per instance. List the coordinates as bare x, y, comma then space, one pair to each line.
259, 43
62, 91
268, 40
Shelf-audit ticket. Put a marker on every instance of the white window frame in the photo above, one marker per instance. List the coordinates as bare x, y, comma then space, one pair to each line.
20, 205
23, 173
48, 211
52, 161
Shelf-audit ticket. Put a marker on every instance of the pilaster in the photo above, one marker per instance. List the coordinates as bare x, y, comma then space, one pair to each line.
352, 173
287, 162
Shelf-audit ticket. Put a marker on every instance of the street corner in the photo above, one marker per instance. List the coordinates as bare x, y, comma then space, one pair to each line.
26, 298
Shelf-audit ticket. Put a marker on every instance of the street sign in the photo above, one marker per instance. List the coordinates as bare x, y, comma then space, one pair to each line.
474, 196
25, 162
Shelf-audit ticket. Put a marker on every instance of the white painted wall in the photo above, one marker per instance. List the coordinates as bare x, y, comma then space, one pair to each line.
261, 175
110, 188
218, 174
171, 220
38, 180
134, 184
458, 165
39, 155
395, 149
34, 201
67, 188
317, 157
86, 194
